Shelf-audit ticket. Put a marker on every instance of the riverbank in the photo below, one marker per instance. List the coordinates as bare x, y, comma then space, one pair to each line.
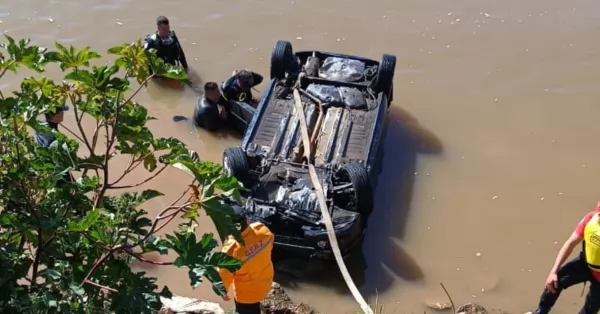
278, 302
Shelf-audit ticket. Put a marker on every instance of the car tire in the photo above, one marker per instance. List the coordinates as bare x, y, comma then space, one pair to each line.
235, 164
282, 53
385, 76
358, 175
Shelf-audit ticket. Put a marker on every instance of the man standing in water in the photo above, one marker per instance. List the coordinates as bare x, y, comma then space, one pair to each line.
583, 268
166, 44
252, 282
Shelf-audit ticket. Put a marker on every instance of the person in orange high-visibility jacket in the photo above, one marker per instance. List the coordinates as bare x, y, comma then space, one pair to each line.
252, 282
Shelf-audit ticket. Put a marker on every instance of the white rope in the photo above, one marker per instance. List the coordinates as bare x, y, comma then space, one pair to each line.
323, 206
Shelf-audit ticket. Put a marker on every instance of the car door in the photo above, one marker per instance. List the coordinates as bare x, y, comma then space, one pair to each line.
241, 114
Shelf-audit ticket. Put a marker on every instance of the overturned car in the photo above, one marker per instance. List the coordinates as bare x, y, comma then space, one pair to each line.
345, 100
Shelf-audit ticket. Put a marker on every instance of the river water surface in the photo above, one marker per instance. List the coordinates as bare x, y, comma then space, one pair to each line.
492, 154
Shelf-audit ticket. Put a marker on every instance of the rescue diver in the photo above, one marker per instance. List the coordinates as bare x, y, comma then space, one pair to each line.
208, 113
252, 282
239, 87
583, 268
166, 44
53, 119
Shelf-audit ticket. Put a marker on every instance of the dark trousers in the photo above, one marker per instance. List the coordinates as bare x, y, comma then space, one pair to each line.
574, 272
247, 308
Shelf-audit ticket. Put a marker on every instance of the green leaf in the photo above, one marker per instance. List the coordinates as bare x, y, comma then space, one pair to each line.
220, 214
89, 219
150, 163
217, 283
148, 195
50, 300
50, 274
189, 168
70, 58
77, 289
222, 260
156, 244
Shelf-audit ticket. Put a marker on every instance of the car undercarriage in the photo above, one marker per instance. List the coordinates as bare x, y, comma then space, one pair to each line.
346, 117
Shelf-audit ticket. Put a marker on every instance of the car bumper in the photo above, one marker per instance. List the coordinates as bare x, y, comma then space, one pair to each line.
304, 248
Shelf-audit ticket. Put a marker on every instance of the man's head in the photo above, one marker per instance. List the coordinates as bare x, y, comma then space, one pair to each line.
245, 79
211, 90
162, 26
56, 116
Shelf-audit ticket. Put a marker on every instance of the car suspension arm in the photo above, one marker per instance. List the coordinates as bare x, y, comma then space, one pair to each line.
323, 206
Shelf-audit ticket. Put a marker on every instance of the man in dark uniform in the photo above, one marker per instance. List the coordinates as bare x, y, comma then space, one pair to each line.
208, 113
239, 87
166, 44
53, 119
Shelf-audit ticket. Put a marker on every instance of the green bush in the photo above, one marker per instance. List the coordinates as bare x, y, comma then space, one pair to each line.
63, 244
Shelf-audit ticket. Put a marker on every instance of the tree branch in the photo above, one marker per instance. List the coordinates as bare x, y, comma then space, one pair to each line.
139, 257
38, 255
100, 261
126, 171
141, 183
83, 138
138, 89
72, 133
159, 217
95, 134
101, 286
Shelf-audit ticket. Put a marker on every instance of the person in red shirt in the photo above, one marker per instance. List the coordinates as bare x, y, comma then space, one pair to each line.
583, 268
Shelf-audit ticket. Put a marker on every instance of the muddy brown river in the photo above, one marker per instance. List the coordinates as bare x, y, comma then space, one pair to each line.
492, 152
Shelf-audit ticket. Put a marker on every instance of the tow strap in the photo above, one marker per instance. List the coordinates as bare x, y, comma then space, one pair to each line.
323, 206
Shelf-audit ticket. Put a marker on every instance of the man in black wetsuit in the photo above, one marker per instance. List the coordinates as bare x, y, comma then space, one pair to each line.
53, 119
239, 87
208, 113
166, 44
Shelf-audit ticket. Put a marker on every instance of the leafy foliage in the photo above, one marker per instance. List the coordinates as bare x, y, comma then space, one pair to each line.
61, 240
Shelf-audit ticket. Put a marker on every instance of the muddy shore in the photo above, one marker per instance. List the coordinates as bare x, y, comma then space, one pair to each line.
278, 302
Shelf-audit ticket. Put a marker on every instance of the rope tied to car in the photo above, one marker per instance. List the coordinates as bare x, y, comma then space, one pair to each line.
323, 205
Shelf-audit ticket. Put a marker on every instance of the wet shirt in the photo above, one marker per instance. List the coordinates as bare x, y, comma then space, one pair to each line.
167, 48
580, 230
45, 139
231, 89
206, 114
252, 282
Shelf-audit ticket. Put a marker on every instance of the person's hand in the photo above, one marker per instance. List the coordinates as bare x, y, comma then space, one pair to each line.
234, 72
226, 298
222, 112
552, 282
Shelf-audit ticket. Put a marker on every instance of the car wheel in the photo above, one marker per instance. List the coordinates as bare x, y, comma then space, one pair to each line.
358, 175
385, 76
282, 53
235, 164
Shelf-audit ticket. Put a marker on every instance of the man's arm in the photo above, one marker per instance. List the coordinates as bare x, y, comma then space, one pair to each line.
227, 278
182, 58
149, 44
566, 250
230, 249
256, 79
